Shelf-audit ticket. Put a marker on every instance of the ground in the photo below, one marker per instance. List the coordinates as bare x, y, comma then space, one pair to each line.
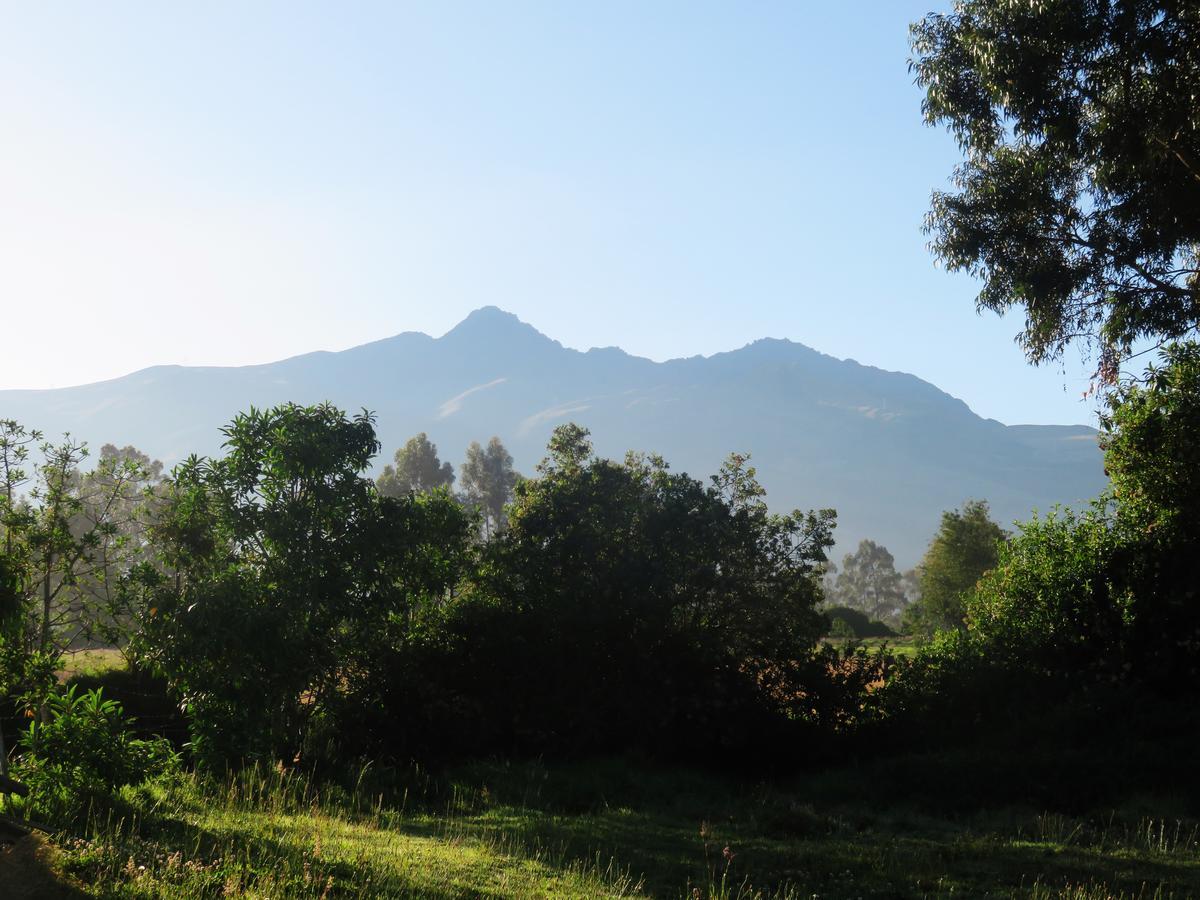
601, 829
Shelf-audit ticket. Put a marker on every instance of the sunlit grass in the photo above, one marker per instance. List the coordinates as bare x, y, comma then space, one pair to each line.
90, 662
602, 830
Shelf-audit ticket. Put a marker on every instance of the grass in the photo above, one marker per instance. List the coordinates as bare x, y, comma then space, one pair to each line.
90, 663
604, 829
996, 819
901, 645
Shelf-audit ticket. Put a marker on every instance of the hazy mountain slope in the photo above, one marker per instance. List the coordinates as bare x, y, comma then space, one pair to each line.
887, 450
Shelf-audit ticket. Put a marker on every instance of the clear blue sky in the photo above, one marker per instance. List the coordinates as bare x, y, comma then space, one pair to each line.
226, 183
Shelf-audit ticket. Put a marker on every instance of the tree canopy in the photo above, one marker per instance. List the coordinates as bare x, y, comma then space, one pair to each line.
288, 566
966, 545
1079, 198
868, 582
417, 468
488, 480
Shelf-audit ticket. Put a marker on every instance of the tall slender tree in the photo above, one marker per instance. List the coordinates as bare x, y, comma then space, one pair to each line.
967, 545
488, 480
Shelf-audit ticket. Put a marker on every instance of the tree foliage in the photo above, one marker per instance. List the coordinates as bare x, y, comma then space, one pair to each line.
1152, 451
966, 545
628, 605
1079, 198
285, 560
417, 469
66, 538
488, 480
83, 751
1090, 607
868, 582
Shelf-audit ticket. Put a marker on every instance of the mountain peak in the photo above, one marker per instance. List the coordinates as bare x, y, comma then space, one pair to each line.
492, 324
490, 317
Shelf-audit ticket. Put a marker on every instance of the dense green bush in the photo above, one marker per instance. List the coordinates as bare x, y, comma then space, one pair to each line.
1062, 595
81, 753
627, 607
1085, 606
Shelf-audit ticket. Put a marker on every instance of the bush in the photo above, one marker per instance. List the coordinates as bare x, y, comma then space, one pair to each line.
1089, 601
81, 754
1062, 595
853, 623
626, 609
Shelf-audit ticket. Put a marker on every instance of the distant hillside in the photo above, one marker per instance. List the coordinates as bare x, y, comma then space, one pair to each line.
885, 449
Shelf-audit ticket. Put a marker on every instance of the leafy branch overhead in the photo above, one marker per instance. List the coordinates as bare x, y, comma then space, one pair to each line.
1078, 201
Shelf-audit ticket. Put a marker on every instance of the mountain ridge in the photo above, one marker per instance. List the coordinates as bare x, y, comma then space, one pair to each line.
887, 449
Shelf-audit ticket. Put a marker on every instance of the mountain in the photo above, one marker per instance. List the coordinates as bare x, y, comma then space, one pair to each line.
887, 450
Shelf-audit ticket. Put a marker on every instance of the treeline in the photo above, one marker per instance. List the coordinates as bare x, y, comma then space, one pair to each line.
293, 605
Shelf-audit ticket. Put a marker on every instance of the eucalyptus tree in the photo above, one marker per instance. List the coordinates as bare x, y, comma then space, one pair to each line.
417, 469
488, 480
1078, 200
67, 536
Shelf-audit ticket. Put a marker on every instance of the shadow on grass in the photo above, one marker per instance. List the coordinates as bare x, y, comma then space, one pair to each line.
27, 873
673, 833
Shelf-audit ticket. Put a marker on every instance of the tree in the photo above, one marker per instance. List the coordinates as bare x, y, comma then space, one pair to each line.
63, 544
868, 582
1114, 588
966, 545
488, 480
281, 566
630, 605
1079, 199
120, 498
1151, 442
910, 583
417, 469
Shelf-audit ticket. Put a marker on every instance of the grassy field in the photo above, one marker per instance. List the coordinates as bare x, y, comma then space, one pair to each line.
606, 829
94, 661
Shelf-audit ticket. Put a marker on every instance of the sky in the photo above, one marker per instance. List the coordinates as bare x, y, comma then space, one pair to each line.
230, 183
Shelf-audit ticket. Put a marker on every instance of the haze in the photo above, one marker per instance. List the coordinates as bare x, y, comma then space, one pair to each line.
224, 186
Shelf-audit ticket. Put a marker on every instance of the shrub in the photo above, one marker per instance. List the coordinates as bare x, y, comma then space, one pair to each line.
81, 753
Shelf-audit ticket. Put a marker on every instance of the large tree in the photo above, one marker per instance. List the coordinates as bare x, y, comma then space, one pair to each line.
967, 545
417, 469
284, 566
1079, 197
629, 605
868, 582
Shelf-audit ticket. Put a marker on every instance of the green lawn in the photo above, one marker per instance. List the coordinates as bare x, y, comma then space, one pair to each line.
609, 829
91, 662
899, 646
